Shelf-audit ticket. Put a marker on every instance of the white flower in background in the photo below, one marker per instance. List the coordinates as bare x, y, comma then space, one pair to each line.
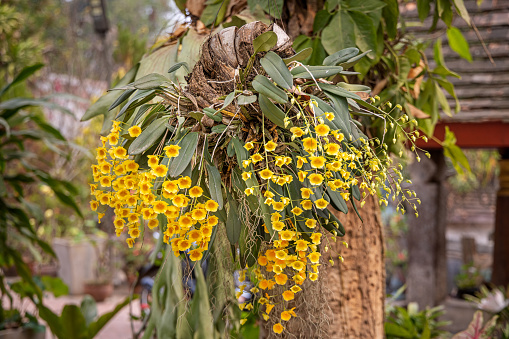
494, 302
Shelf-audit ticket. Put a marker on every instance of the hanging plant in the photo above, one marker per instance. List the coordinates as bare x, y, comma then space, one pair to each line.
256, 141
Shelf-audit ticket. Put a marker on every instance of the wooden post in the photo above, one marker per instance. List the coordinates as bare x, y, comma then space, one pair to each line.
427, 266
500, 275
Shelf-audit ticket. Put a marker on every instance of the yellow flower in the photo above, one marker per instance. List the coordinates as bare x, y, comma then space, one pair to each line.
317, 162
266, 174
186, 221
134, 131
172, 151
298, 265
332, 148
184, 245
310, 144
211, 206
285, 316
195, 255
212, 220
180, 200
153, 223
329, 116
301, 245
314, 257
302, 175
101, 153
171, 186
321, 203
287, 235
278, 328
296, 289
315, 238
199, 214
248, 145
270, 146
322, 130
256, 157
248, 191
246, 163
306, 204
288, 295
195, 192
120, 152
297, 132
278, 225
281, 279
313, 276
315, 179
113, 139
160, 170
311, 223
195, 236
281, 255
278, 206
130, 242
246, 175
93, 205
160, 207
297, 211
184, 182
206, 231
262, 260
153, 160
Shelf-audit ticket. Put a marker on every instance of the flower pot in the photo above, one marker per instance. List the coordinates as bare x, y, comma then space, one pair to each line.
77, 262
98, 290
22, 333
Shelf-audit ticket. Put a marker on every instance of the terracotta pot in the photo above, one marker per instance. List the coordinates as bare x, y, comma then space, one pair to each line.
98, 290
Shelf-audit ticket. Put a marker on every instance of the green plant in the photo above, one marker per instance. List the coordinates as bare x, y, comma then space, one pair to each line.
23, 131
412, 323
495, 301
78, 321
469, 277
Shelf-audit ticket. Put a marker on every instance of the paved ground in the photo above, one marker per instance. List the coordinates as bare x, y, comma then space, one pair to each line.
118, 328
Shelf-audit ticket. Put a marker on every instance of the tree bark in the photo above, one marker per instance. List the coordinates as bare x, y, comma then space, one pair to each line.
347, 301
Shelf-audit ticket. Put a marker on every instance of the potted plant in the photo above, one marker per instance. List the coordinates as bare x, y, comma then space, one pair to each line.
100, 286
468, 280
19, 324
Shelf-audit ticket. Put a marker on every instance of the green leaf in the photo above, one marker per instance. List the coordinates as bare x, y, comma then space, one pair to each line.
300, 56
338, 91
354, 87
218, 128
216, 192
273, 8
423, 7
149, 81
73, 322
458, 43
277, 70
149, 136
177, 66
352, 61
337, 200
364, 6
233, 221
390, 12
188, 146
102, 105
317, 72
21, 76
97, 325
455, 153
241, 153
365, 32
322, 18
462, 10
339, 33
398, 331
123, 97
442, 100
271, 111
88, 309
355, 206
264, 42
217, 116
246, 99
341, 56
55, 286
264, 86
142, 97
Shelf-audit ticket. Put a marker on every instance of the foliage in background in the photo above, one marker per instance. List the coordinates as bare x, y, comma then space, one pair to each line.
484, 165
411, 323
494, 301
469, 277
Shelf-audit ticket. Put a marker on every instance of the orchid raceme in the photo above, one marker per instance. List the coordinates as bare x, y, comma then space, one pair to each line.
270, 171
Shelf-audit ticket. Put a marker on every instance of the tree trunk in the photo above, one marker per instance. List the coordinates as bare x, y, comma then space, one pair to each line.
347, 301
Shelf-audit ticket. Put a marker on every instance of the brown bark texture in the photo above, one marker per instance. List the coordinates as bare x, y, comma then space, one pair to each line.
347, 301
